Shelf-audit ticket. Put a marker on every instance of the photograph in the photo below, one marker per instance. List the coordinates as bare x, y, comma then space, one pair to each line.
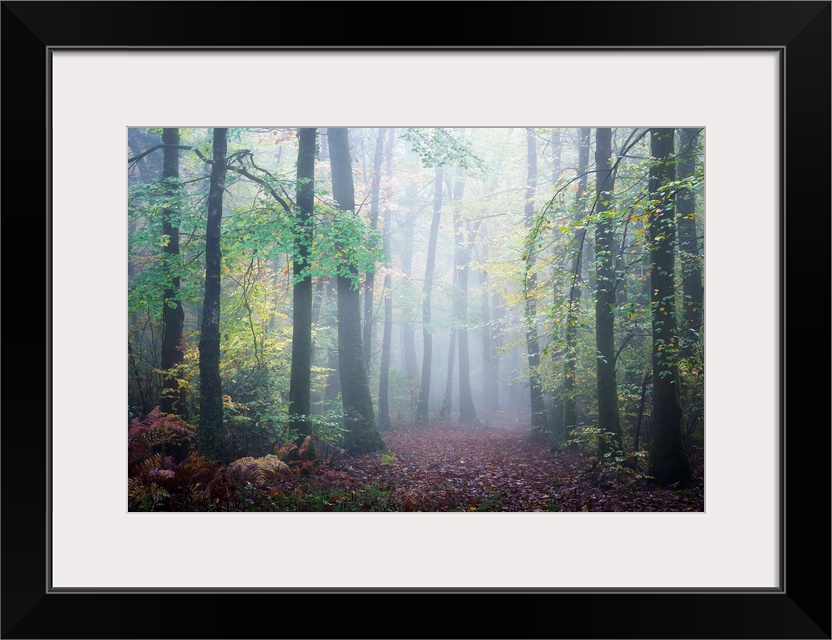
411, 319
375, 279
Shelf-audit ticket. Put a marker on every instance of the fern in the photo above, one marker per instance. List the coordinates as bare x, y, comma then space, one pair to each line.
257, 471
157, 433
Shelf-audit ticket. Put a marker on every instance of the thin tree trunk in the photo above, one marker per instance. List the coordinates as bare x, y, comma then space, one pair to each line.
570, 411
370, 277
497, 340
555, 417
173, 316
210, 431
669, 462
411, 364
608, 421
692, 288
333, 380
359, 417
384, 421
300, 399
467, 411
538, 407
324, 144
490, 386
384, 374
319, 391
447, 400
422, 409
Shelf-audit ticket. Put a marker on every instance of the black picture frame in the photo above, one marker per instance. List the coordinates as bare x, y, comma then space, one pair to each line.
800, 608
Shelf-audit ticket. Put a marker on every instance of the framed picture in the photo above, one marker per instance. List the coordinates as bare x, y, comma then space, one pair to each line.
755, 563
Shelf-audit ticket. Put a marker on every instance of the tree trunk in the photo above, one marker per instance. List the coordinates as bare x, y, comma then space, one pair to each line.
300, 401
447, 400
324, 153
422, 409
538, 407
333, 380
692, 289
467, 411
608, 421
497, 339
555, 400
370, 277
669, 461
384, 374
384, 421
490, 385
210, 431
173, 316
411, 364
359, 418
570, 412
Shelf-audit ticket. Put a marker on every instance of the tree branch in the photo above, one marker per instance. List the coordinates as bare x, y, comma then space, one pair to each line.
184, 147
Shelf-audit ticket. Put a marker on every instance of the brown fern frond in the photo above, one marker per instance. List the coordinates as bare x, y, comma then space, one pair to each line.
158, 432
306, 445
287, 452
257, 471
194, 474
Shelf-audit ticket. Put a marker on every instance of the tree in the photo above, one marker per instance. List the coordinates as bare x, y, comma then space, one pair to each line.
369, 278
608, 421
490, 383
173, 316
691, 260
384, 373
570, 416
538, 407
467, 411
384, 421
669, 461
408, 334
427, 339
300, 394
359, 417
210, 431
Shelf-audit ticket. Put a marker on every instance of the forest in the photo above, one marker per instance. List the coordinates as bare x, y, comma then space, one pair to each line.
415, 319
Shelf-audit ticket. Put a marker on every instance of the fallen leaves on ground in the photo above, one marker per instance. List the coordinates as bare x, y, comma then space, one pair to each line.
459, 468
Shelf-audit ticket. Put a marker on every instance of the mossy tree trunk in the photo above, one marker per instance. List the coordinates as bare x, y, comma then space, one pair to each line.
210, 430
608, 420
669, 462
173, 316
359, 417
300, 397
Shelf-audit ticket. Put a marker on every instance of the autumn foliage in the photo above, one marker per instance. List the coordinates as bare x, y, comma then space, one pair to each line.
433, 468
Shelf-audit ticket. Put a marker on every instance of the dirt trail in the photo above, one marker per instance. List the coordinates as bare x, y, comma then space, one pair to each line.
457, 468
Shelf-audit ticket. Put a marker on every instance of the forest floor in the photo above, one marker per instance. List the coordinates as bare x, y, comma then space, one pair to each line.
459, 468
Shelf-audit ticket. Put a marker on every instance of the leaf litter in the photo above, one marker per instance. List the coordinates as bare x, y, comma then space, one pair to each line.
471, 468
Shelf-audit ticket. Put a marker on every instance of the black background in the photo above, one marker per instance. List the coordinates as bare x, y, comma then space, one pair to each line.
801, 609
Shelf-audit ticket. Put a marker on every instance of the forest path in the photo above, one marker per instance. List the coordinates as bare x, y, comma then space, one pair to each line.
498, 468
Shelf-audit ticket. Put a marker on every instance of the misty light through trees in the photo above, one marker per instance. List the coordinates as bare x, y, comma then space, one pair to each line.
303, 302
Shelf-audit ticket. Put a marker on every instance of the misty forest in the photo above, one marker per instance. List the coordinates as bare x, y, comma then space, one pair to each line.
415, 319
